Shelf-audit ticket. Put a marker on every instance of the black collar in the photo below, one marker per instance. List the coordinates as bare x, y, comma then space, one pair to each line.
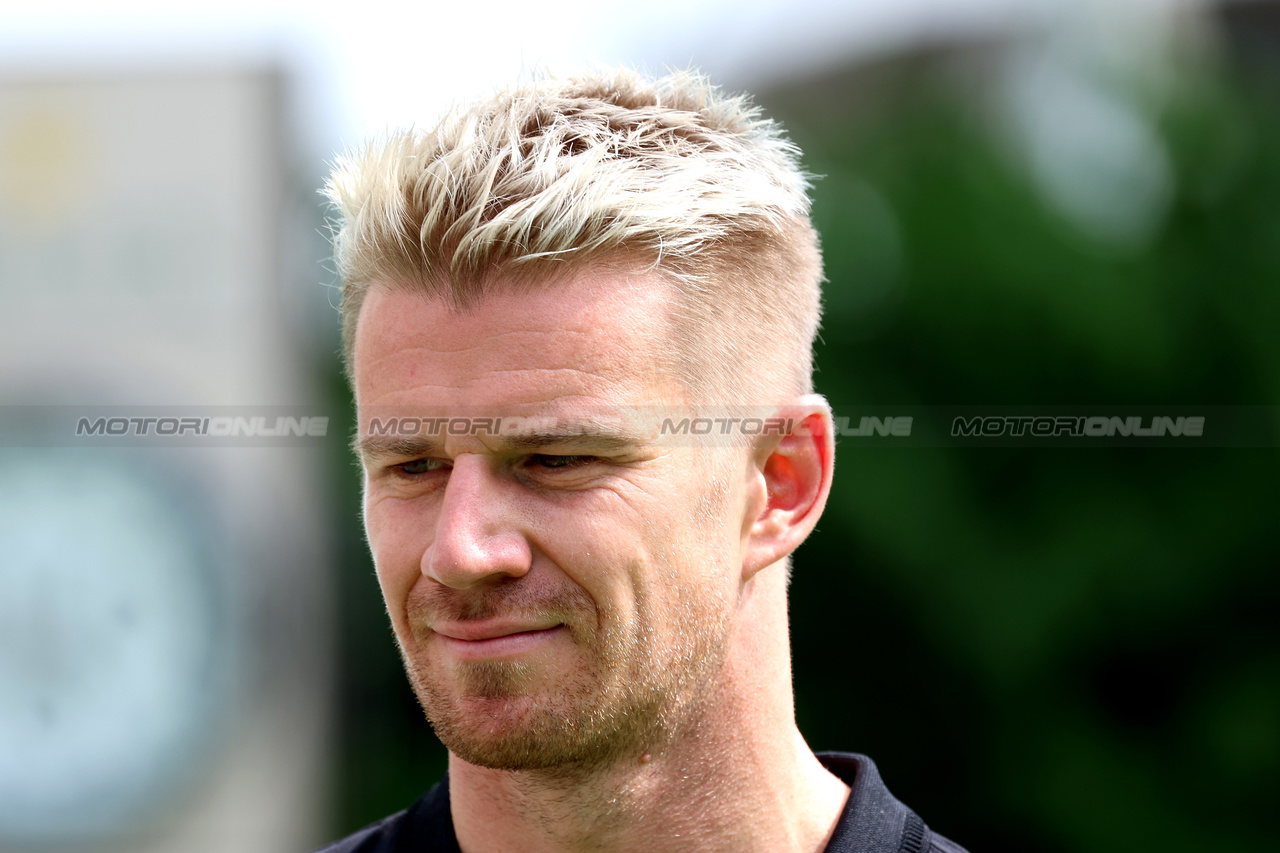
873, 821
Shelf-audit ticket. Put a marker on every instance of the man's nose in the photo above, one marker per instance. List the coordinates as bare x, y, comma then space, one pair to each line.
477, 535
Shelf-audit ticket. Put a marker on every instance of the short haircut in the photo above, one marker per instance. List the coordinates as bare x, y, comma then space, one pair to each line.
553, 177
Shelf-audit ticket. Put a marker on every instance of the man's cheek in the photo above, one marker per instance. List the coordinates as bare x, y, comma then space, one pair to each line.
397, 574
397, 569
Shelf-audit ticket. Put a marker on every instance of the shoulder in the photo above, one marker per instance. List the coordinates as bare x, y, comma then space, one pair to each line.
375, 838
424, 827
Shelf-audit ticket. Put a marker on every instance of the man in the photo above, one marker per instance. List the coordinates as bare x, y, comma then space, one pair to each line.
545, 301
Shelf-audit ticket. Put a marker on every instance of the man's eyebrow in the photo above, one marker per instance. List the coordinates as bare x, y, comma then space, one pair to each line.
579, 436
593, 436
370, 447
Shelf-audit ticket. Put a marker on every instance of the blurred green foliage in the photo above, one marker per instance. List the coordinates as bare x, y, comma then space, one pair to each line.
1046, 649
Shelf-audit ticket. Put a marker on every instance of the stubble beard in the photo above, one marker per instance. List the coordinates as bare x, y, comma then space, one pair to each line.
629, 691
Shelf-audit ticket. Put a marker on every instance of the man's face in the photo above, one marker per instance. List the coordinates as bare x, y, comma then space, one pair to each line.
563, 594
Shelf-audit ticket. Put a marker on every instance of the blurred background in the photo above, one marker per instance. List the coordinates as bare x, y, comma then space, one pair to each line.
1022, 203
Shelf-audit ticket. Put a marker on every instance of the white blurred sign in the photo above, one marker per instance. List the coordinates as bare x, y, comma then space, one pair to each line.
162, 642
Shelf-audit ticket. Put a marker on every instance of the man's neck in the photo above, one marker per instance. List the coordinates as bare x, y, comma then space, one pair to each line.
738, 777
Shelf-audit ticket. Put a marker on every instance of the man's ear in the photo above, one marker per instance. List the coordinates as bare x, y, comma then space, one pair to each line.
791, 472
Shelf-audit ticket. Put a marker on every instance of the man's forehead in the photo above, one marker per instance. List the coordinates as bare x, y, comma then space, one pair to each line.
584, 338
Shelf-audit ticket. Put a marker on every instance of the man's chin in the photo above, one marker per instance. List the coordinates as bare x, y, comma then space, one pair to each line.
524, 733
571, 726
501, 715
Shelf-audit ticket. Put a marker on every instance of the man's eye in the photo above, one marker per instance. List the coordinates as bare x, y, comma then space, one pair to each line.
421, 466
544, 461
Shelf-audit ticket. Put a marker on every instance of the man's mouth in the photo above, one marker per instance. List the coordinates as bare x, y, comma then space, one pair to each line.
493, 638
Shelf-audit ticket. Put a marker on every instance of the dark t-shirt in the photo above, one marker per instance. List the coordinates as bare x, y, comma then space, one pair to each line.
872, 820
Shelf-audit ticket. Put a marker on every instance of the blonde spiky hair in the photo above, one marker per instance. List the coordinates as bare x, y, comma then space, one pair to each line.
549, 178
